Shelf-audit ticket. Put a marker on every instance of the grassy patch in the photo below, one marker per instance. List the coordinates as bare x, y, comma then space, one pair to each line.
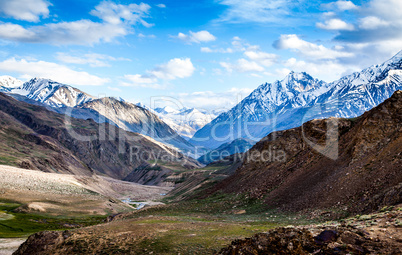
23, 224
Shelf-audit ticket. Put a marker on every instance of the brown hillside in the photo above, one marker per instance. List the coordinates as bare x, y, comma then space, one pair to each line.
366, 175
32, 137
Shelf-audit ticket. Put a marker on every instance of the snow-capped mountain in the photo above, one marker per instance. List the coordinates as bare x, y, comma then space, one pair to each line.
52, 93
256, 113
185, 121
7, 83
298, 98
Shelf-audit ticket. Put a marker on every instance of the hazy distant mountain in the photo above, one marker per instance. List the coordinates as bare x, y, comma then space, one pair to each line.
185, 121
298, 98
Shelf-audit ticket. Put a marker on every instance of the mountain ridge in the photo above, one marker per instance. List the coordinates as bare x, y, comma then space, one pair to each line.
279, 106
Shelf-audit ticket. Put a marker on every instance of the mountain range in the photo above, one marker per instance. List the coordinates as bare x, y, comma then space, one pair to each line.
68, 100
299, 98
272, 106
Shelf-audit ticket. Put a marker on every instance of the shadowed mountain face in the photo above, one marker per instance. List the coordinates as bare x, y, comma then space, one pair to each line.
364, 173
35, 138
239, 145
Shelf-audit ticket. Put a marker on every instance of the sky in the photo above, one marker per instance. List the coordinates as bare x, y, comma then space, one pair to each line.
207, 54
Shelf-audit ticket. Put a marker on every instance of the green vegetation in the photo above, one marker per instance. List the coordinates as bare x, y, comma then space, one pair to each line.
24, 224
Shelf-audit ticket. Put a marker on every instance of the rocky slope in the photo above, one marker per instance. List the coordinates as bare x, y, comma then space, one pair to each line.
131, 118
299, 98
377, 233
35, 138
349, 165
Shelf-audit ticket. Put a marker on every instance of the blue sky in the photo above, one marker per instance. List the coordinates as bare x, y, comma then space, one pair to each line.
207, 54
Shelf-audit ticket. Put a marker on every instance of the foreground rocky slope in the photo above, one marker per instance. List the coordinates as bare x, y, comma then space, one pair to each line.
378, 233
35, 138
359, 170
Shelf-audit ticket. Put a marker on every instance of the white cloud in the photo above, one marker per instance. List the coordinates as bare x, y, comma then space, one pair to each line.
196, 37
335, 24
209, 100
141, 35
307, 49
15, 32
116, 21
60, 73
328, 70
263, 58
372, 22
92, 59
117, 13
375, 36
27, 10
242, 65
259, 11
218, 50
114, 89
341, 5
161, 5
177, 68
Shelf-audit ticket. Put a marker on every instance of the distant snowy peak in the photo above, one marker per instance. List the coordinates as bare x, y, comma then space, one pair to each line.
9, 82
52, 93
185, 121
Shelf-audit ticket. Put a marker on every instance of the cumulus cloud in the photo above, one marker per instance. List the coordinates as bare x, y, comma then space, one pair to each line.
308, 49
335, 24
372, 22
116, 20
255, 59
117, 13
341, 5
177, 68
26, 10
216, 50
91, 59
263, 58
161, 5
242, 65
196, 37
375, 24
258, 11
29, 69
